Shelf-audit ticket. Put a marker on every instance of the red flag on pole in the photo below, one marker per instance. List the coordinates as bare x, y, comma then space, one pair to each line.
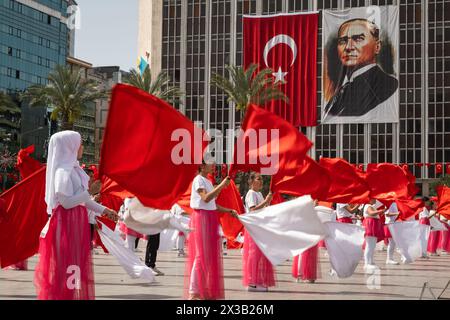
347, 184
150, 149
387, 182
270, 143
287, 44
443, 206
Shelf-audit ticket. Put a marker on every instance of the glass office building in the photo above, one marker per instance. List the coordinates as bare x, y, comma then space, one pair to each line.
34, 38
199, 37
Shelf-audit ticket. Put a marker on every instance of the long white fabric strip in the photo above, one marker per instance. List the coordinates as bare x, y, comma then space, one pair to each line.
135, 268
286, 229
407, 236
344, 245
436, 224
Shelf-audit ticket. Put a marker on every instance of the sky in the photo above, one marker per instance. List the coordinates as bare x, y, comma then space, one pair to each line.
108, 33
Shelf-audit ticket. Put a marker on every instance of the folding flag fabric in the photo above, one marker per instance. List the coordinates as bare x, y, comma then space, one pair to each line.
387, 182
310, 179
407, 236
230, 197
412, 188
347, 185
26, 215
443, 206
408, 208
344, 243
26, 164
285, 230
287, 44
269, 145
149, 148
132, 265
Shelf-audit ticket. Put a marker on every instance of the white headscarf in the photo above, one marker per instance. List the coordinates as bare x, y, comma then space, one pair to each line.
62, 154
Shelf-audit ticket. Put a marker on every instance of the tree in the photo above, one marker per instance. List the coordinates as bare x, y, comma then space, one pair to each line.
443, 181
160, 88
67, 93
244, 87
7, 104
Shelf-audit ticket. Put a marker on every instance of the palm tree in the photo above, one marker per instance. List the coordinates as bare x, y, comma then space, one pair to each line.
7, 104
244, 88
160, 88
67, 93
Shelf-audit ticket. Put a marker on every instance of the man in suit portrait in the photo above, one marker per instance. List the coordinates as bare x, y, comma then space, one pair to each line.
363, 84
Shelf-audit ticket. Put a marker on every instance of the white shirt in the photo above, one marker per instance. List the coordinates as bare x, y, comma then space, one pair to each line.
366, 214
424, 213
341, 212
392, 209
201, 182
252, 199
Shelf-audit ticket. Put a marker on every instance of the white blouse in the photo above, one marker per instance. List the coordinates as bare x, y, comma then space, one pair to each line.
201, 182
252, 199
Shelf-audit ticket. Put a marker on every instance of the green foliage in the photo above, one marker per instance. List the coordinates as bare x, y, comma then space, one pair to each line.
443, 181
160, 88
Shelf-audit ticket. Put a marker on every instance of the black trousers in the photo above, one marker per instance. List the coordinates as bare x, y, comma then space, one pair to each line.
152, 250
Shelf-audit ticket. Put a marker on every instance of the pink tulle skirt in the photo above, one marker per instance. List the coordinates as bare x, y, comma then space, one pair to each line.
123, 228
443, 240
256, 268
322, 244
425, 221
306, 265
64, 270
204, 269
433, 241
373, 228
387, 233
345, 220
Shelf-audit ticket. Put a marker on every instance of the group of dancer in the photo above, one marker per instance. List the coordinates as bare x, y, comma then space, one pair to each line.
65, 248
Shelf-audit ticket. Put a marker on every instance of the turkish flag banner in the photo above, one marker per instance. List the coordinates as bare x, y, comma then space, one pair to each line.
287, 43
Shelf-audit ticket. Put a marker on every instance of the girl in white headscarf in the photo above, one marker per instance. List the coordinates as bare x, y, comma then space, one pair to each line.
64, 270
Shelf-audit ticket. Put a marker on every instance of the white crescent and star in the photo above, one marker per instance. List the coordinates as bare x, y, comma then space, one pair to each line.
280, 39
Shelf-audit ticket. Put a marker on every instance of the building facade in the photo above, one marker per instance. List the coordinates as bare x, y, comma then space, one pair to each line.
34, 38
200, 37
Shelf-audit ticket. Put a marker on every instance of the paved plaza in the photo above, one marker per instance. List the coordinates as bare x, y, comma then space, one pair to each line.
395, 282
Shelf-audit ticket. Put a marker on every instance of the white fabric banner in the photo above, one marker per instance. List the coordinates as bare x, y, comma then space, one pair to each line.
408, 237
325, 214
146, 220
286, 229
168, 237
437, 225
344, 245
135, 268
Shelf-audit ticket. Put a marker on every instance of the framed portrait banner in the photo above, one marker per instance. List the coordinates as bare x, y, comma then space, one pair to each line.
360, 70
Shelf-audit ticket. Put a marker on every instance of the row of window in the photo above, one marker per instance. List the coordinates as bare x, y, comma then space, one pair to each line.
33, 13
20, 75
13, 52
16, 32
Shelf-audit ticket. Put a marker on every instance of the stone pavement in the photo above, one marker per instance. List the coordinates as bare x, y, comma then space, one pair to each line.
395, 282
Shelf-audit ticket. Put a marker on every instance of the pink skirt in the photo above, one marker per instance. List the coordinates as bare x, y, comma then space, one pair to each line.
204, 268
433, 241
123, 228
345, 220
387, 233
256, 269
306, 265
64, 270
322, 244
443, 243
425, 221
374, 228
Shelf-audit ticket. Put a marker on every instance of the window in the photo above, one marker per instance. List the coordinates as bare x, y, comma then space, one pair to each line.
9, 72
41, 41
18, 53
19, 33
11, 4
17, 74
47, 43
10, 51
11, 30
39, 61
49, 19
47, 63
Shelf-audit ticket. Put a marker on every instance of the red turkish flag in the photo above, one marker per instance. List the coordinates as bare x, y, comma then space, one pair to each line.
142, 148
268, 137
347, 184
288, 45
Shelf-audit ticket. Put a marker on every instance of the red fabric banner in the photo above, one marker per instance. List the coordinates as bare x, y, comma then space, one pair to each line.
138, 152
408, 208
26, 216
276, 139
230, 198
288, 45
443, 206
347, 185
310, 179
387, 182
26, 164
